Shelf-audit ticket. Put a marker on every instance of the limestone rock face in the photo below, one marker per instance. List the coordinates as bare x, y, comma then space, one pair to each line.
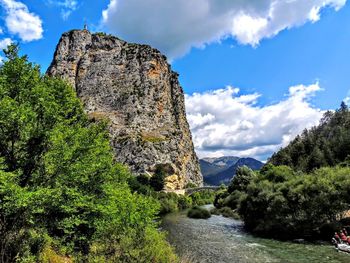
134, 87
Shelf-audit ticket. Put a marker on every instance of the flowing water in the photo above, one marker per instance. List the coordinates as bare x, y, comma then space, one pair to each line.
223, 240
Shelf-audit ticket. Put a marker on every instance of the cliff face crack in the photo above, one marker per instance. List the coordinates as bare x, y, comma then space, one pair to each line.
76, 78
134, 87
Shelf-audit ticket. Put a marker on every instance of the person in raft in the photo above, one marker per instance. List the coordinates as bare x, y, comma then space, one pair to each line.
345, 232
336, 237
343, 237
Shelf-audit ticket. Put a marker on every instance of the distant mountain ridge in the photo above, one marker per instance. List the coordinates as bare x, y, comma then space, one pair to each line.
220, 170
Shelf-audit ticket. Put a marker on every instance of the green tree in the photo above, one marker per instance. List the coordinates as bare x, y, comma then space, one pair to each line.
297, 206
241, 180
327, 144
59, 185
157, 181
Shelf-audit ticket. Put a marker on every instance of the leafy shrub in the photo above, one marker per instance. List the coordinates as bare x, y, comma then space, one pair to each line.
143, 179
203, 197
226, 212
198, 213
157, 181
190, 185
168, 206
184, 202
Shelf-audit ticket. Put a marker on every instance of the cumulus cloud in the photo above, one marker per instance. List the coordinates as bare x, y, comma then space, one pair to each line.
176, 26
20, 21
224, 122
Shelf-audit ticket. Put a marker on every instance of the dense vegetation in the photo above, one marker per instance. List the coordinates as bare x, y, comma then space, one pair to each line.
328, 144
285, 204
225, 212
281, 203
198, 213
62, 197
169, 202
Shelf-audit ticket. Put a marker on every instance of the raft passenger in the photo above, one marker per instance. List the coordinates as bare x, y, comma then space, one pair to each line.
345, 232
336, 237
343, 237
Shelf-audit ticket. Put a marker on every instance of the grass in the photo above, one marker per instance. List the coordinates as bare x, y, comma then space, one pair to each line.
152, 137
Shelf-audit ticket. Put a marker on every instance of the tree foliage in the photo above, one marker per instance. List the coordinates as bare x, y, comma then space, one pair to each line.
60, 190
286, 204
327, 144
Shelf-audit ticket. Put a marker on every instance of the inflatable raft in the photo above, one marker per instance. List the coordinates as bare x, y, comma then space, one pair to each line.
343, 247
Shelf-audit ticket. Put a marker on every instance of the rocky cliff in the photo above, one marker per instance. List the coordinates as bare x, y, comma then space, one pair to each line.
134, 87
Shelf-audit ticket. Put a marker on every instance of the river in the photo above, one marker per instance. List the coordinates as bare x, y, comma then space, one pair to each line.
223, 240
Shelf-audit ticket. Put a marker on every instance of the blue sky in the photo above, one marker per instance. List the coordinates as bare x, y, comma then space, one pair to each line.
287, 59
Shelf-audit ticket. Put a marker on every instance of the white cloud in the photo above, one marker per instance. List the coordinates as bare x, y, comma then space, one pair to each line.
177, 25
20, 21
5, 42
347, 98
223, 122
67, 7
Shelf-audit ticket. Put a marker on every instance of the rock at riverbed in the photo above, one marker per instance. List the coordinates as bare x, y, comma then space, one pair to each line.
133, 87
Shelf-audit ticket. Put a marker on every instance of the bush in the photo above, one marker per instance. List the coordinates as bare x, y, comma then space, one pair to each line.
143, 179
190, 185
198, 213
157, 181
203, 197
327, 230
184, 202
226, 212
168, 206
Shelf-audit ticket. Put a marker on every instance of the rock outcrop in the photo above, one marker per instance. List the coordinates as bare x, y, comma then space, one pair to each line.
134, 87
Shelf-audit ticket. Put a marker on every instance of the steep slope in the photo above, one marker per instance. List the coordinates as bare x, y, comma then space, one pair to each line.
226, 175
134, 88
327, 144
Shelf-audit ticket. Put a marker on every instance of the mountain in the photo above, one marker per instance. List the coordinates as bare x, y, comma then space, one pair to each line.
134, 88
212, 166
327, 144
224, 161
221, 170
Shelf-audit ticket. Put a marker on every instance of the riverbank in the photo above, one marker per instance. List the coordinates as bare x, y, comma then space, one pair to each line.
220, 239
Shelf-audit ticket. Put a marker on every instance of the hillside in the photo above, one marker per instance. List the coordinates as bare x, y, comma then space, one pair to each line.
327, 144
221, 170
